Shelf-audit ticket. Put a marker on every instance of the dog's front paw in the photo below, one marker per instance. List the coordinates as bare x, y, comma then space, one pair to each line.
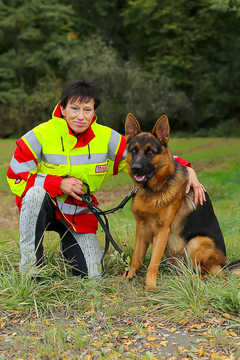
151, 288
129, 274
151, 284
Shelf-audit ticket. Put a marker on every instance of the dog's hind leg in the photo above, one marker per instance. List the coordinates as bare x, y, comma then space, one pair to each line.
205, 256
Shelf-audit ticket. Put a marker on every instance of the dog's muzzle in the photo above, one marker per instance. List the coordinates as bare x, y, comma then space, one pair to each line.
139, 177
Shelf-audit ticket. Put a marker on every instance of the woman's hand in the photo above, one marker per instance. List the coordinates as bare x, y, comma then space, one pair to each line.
72, 186
198, 189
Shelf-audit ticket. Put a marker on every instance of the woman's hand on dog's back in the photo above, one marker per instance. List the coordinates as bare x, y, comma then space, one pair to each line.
198, 188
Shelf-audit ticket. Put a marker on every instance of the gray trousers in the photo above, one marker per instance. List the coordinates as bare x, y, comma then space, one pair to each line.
37, 215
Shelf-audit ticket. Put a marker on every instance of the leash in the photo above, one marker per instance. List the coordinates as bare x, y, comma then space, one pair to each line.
102, 219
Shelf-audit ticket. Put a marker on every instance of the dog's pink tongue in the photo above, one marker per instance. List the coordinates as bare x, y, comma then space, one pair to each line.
139, 177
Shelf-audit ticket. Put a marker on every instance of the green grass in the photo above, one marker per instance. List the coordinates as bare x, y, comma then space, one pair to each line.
69, 318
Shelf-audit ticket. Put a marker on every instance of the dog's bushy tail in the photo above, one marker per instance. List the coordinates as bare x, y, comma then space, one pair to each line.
233, 266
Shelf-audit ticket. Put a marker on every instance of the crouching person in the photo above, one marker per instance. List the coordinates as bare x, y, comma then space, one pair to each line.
47, 172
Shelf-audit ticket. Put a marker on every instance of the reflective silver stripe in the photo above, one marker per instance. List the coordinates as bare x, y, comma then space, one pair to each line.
34, 143
55, 159
39, 181
18, 168
84, 159
124, 155
72, 209
100, 157
113, 145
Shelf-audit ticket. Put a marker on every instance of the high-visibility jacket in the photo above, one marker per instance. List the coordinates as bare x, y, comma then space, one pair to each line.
51, 151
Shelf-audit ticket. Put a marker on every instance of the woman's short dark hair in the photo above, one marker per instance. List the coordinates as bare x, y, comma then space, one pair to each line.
82, 90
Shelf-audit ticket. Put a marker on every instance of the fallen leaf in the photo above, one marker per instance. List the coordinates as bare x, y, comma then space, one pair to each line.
233, 333
152, 338
226, 315
196, 326
132, 309
89, 312
129, 321
150, 327
156, 346
215, 356
127, 342
97, 343
163, 343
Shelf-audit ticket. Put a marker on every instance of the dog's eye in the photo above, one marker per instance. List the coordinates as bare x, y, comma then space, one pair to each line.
133, 150
150, 151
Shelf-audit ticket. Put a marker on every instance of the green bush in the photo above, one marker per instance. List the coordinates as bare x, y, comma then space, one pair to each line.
229, 128
125, 87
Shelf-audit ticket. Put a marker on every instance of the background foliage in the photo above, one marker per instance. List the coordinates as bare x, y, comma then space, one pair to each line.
147, 57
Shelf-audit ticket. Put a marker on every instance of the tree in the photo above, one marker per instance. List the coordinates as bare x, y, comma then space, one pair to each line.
125, 86
31, 36
225, 5
101, 18
196, 45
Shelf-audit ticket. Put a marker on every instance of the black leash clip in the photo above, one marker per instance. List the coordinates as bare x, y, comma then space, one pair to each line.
87, 197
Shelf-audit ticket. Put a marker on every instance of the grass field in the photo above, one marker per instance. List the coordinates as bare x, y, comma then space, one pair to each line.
64, 317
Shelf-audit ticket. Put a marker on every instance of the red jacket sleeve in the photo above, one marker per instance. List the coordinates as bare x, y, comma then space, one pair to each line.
182, 161
119, 155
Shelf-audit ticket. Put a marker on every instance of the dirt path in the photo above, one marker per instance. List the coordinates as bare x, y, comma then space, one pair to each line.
9, 213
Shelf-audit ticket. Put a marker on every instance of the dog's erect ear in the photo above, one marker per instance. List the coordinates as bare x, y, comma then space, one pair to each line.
161, 130
132, 127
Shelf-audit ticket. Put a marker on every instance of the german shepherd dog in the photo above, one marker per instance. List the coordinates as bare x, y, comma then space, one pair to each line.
165, 215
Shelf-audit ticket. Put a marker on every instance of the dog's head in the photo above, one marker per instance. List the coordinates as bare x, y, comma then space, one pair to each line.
145, 150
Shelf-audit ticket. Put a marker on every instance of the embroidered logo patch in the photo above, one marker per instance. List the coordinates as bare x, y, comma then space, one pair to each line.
101, 168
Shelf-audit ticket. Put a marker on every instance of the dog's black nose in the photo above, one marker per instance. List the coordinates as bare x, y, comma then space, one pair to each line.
136, 168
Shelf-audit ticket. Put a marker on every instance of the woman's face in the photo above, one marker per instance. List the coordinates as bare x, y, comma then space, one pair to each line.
78, 115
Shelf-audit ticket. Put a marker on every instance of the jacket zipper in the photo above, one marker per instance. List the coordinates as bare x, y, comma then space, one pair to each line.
62, 144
